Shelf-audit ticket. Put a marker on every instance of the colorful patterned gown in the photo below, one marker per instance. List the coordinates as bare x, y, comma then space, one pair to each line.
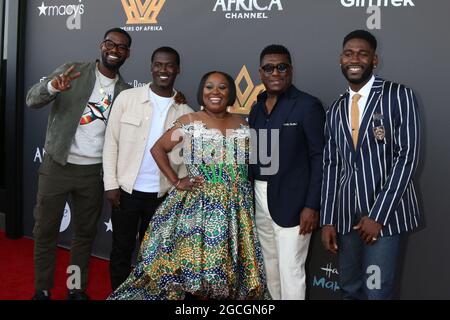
203, 241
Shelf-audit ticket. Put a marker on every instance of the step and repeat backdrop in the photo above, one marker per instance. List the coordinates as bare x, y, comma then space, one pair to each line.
229, 35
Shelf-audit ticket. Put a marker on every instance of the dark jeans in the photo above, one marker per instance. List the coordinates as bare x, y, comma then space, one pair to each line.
367, 271
56, 182
135, 207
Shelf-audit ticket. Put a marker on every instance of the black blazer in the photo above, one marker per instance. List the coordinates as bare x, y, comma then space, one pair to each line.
297, 184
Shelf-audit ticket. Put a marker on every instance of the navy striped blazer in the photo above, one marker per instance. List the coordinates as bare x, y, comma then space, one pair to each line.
376, 178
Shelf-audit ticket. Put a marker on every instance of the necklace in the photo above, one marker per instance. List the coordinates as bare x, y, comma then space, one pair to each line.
158, 107
102, 89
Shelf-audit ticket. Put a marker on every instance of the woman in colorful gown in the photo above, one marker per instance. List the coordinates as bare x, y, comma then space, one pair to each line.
202, 240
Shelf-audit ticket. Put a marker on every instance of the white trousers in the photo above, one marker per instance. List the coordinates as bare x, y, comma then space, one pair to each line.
284, 251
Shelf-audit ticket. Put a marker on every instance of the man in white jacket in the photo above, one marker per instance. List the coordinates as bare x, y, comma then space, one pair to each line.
133, 183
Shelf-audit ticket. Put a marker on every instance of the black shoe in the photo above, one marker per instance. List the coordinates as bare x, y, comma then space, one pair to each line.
41, 295
77, 295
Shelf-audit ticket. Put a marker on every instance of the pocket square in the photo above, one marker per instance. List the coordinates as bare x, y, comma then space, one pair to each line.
378, 116
290, 124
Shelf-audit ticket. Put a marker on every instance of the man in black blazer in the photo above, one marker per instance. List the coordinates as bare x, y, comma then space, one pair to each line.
287, 174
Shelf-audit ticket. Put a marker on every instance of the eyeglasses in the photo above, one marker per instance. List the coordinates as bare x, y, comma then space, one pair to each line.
111, 45
281, 67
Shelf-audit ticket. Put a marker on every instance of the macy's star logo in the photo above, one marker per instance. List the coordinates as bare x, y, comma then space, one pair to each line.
42, 9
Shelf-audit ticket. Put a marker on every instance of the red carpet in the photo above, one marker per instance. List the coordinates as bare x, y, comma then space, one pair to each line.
17, 272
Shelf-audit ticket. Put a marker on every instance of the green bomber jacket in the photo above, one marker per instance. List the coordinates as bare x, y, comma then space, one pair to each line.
67, 107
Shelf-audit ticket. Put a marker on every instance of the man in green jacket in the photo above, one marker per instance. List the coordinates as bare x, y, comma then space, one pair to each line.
82, 94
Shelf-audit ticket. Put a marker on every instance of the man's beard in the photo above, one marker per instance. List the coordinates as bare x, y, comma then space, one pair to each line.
110, 66
367, 74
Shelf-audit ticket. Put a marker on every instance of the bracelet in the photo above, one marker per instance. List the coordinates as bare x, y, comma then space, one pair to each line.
176, 185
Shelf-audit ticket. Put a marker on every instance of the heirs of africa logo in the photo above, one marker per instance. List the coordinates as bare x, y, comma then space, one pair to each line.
142, 14
246, 98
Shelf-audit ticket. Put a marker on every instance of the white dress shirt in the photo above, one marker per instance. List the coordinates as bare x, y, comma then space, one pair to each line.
364, 92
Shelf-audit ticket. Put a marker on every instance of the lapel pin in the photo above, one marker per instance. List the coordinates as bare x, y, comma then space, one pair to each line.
379, 132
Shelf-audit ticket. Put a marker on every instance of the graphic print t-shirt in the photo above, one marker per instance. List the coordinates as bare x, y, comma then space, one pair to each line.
87, 145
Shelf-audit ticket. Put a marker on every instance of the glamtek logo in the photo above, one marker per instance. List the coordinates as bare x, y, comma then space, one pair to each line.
74, 11
245, 98
377, 3
374, 9
141, 13
253, 9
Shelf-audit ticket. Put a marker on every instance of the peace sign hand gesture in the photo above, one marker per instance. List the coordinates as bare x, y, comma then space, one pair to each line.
62, 82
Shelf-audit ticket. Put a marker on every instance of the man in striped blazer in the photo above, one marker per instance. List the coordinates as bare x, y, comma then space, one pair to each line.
371, 153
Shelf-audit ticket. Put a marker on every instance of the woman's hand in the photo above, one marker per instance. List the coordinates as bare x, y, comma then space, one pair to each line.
189, 183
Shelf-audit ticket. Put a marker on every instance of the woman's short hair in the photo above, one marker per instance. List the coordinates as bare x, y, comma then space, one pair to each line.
231, 88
